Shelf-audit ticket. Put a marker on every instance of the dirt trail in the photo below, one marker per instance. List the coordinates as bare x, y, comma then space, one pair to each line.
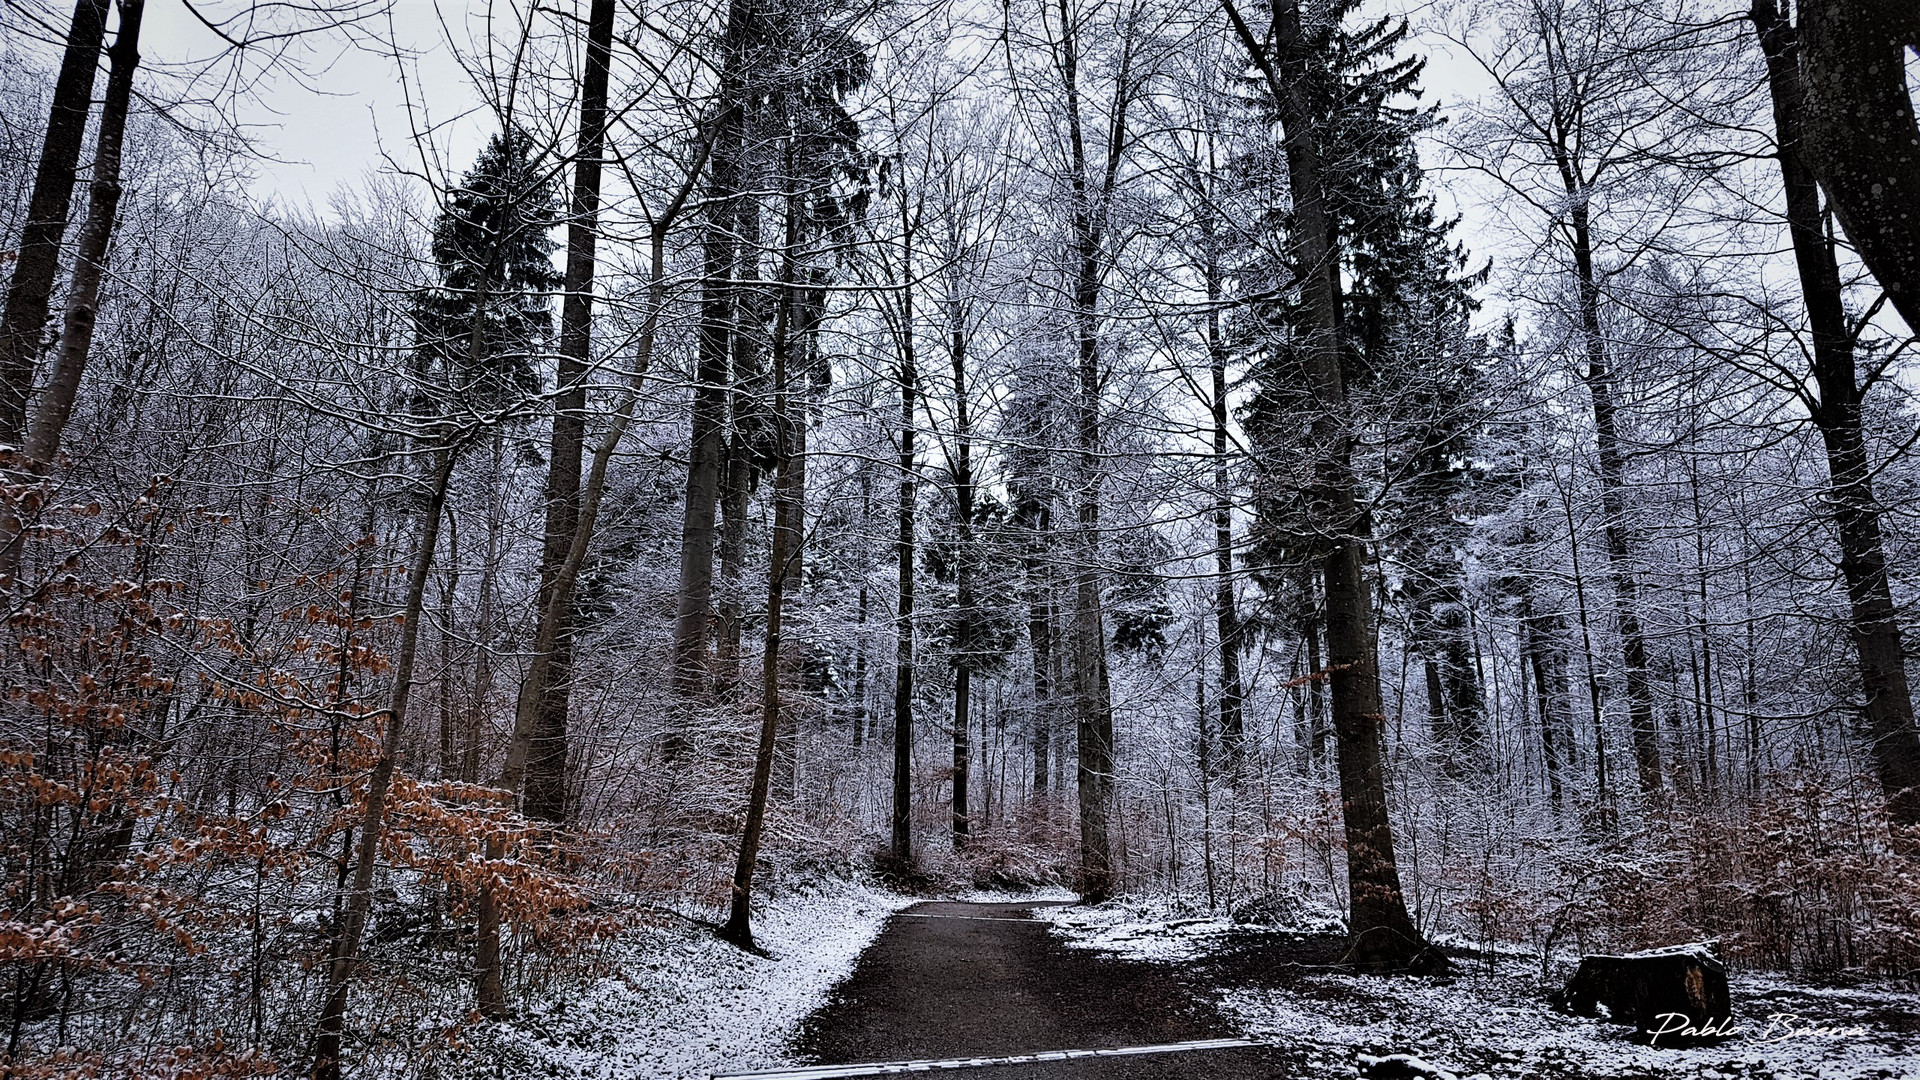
950, 980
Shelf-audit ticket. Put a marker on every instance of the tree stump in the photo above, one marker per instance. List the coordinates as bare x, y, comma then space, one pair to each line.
1675, 996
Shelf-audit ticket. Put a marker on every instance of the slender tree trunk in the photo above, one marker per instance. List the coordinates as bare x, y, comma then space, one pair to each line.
546, 779
1382, 935
103, 202
37, 263
786, 542
860, 709
1040, 638
345, 954
1316, 672
1226, 615
483, 623
963, 572
902, 845
1621, 540
1092, 697
548, 625
1877, 638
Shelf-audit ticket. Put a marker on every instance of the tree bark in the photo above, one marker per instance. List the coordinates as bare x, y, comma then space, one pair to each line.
707, 449
1092, 696
1875, 624
1621, 540
1859, 135
38, 262
353, 921
902, 844
786, 541
103, 203
963, 573
1226, 614
548, 625
1382, 935
546, 779
1036, 520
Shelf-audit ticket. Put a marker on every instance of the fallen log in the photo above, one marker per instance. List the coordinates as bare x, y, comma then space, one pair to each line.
1676, 996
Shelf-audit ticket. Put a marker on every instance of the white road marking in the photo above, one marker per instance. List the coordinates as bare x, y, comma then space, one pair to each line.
890, 1068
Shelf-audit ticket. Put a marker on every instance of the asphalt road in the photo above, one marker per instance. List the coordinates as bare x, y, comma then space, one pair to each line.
948, 981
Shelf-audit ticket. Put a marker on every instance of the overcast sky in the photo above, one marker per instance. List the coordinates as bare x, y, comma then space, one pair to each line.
329, 130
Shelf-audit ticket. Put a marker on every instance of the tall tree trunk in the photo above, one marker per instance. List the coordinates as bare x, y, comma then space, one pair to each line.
477, 714
786, 541
708, 449
860, 708
1316, 670
1621, 540
1382, 935
38, 261
1226, 615
345, 954
89, 265
1036, 520
902, 845
546, 779
963, 571
1876, 633
1092, 696
1858, 132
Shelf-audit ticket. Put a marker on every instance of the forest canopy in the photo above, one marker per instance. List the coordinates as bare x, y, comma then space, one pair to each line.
1455, 465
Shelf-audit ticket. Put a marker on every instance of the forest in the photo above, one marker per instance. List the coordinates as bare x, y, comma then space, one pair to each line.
1450, 466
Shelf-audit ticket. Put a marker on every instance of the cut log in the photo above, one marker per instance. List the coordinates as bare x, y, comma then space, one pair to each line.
1674, 996
1401, 1067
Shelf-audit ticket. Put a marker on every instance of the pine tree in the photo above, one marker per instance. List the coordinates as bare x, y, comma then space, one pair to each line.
481, 328
1353, 213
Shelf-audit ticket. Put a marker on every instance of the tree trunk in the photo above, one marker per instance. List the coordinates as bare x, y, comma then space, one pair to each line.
38, 261
1621, 540
477, 713
707, 449
1226, 614
1092, 697
492, 1001
546, 779
1875, 626
353, 921
963, 572
786, 540
1382, 935
1035, 519
902, 846
1860, 135
103, 201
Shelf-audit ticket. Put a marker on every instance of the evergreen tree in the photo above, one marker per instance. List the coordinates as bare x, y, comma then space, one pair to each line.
480, 330
1407, 354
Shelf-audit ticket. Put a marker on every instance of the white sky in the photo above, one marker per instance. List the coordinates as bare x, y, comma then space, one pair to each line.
328, 130
318, 134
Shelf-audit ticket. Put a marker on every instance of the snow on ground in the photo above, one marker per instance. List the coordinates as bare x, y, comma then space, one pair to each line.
1497, 1026
683, 1005
1044, 894
1159, 929
1502, 1026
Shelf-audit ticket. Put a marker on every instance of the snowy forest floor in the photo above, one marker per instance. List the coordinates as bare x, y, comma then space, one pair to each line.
1280, 983
859, 974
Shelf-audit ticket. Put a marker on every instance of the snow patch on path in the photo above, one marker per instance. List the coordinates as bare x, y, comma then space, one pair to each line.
682, 1005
